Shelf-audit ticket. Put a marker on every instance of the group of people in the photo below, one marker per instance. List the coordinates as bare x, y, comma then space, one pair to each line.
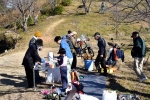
67, 56
138, 52
66, 60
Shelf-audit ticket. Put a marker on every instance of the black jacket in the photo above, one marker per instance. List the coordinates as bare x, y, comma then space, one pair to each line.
102, 46
31, 56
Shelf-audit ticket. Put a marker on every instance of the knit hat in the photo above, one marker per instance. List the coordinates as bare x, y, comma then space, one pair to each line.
38, 34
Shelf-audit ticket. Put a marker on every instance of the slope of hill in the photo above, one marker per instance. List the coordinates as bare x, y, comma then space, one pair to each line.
124, 80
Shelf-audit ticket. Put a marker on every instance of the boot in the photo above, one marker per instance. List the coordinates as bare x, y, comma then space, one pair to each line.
105, 72
99, 71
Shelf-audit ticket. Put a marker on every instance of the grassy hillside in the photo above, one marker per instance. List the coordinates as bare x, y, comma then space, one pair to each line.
74, 19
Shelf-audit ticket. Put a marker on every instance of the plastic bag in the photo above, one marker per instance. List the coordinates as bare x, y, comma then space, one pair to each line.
109, 95
128, 97
54, 75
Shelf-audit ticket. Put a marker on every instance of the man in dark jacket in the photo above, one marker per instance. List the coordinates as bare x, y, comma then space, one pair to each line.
29, 60
100, 59
138, 52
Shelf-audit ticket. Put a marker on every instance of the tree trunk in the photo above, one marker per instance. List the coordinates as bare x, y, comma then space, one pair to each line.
36, 18
25, 27
87, 9
25, 19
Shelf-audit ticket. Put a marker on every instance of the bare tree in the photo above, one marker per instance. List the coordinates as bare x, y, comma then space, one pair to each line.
131, 11
3, 8
36, 11
53, 3
25, 8
86, 5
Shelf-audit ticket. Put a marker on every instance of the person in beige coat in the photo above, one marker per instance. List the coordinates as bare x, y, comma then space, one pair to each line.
73, 38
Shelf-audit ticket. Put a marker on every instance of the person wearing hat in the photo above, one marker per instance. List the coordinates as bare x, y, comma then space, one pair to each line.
29, 60
100, 59
138, 52
36, 36
73, 39
62, 62
64, 44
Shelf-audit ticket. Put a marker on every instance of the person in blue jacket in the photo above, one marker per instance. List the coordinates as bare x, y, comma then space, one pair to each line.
63, 44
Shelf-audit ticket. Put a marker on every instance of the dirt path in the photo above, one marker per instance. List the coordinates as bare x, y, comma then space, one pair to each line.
12, 73
51, 28
47, 37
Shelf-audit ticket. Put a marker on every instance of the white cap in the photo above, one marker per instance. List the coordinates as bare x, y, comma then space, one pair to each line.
73, 33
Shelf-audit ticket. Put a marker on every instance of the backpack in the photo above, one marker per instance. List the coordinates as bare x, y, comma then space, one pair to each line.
115, 56
120, 54
69, 43
79, 86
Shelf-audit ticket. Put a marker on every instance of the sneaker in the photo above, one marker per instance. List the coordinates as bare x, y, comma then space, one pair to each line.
143, 79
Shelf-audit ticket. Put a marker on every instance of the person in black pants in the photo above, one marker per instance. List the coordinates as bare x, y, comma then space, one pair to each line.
100, 59
73, 39
29, 60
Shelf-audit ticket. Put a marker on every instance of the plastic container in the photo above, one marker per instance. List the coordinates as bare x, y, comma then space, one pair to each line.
88, 64
43, 60
83, 38
50, 56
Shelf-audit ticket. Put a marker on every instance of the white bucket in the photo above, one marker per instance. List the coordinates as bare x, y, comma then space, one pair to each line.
88, 64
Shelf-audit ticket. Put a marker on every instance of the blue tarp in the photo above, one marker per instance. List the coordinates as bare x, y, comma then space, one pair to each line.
94, 85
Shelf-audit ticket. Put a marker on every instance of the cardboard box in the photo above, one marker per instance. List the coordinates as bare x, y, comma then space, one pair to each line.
87, 57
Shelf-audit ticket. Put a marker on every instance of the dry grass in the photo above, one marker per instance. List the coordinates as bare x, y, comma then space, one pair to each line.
123, 81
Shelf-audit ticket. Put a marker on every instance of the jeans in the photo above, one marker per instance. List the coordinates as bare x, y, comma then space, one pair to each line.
138, 67
102, 10
111, 63
63, 71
